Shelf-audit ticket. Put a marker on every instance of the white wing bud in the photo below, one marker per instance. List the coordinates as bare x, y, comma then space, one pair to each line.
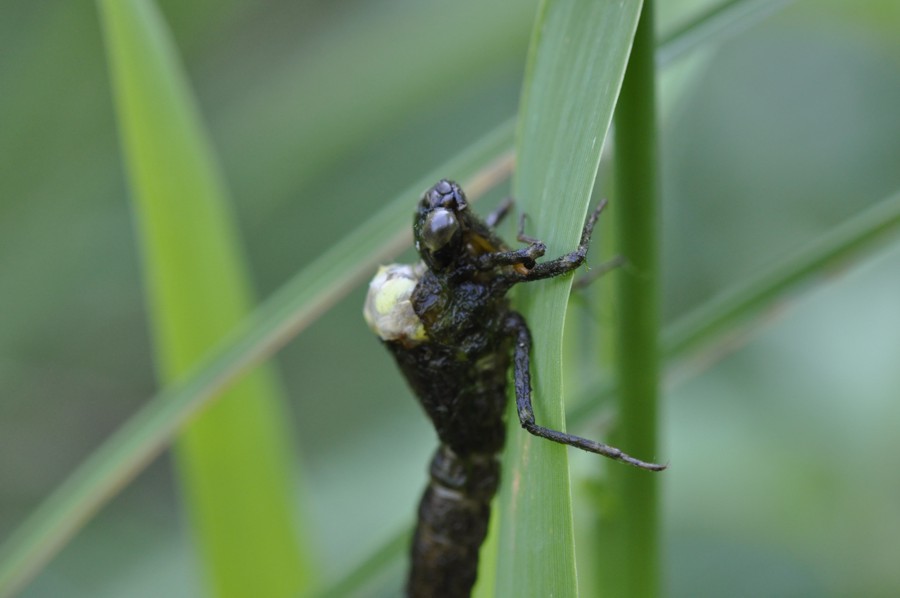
388, 310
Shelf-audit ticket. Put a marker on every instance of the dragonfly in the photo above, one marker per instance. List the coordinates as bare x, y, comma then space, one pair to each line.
451, 329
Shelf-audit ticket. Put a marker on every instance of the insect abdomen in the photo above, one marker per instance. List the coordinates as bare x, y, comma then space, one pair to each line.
453, 522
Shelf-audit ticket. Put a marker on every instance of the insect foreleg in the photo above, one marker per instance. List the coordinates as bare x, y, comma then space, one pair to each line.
525, 256
522, 382
573, 259
494, 219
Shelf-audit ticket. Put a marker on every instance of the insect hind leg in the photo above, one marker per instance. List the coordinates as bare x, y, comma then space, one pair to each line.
522, 382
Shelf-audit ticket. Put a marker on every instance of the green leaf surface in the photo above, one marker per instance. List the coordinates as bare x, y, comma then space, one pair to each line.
577, 59
234, 462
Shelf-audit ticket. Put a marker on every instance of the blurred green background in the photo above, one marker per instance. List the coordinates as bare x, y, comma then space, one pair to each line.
785, 477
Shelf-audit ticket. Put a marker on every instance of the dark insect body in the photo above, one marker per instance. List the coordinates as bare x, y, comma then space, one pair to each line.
454, 336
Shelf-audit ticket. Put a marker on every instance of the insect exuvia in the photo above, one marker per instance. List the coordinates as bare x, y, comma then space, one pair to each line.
454, 336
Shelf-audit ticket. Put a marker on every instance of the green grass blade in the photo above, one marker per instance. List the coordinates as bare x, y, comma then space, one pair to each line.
735, 307
724, 317
632, 563
234, 462
277, 320
359, 581
576, 62
720, 21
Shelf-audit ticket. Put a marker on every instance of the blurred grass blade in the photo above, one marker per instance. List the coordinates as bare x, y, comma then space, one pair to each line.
280, 318
628, 560
576, 62
360, 581
734, 307
234, 462
722, 20
703, 330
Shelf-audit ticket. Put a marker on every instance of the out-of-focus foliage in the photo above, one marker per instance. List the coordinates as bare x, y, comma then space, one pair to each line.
782, 454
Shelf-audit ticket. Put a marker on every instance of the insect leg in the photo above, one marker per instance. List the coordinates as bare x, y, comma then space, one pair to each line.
521, 236
598, 271
500, 212
573, 259
525, 256
522, 381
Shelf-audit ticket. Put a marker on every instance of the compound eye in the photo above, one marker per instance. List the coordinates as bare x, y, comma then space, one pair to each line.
440, 226
445, 194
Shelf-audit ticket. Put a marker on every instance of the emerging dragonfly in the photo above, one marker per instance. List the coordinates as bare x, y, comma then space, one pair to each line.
453, 334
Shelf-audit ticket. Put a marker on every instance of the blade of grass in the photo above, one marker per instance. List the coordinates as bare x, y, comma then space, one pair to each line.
576, 61
361, 42
308, 294
718, 22
632, 565
734, 307
235, 462
360, 579
745, 306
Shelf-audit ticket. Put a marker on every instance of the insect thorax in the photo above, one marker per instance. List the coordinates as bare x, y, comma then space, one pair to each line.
448, 342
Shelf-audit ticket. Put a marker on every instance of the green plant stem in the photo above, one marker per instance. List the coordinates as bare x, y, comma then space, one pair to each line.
638, 313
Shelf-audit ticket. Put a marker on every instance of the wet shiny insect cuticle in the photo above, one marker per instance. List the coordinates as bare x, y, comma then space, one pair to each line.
449, 326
